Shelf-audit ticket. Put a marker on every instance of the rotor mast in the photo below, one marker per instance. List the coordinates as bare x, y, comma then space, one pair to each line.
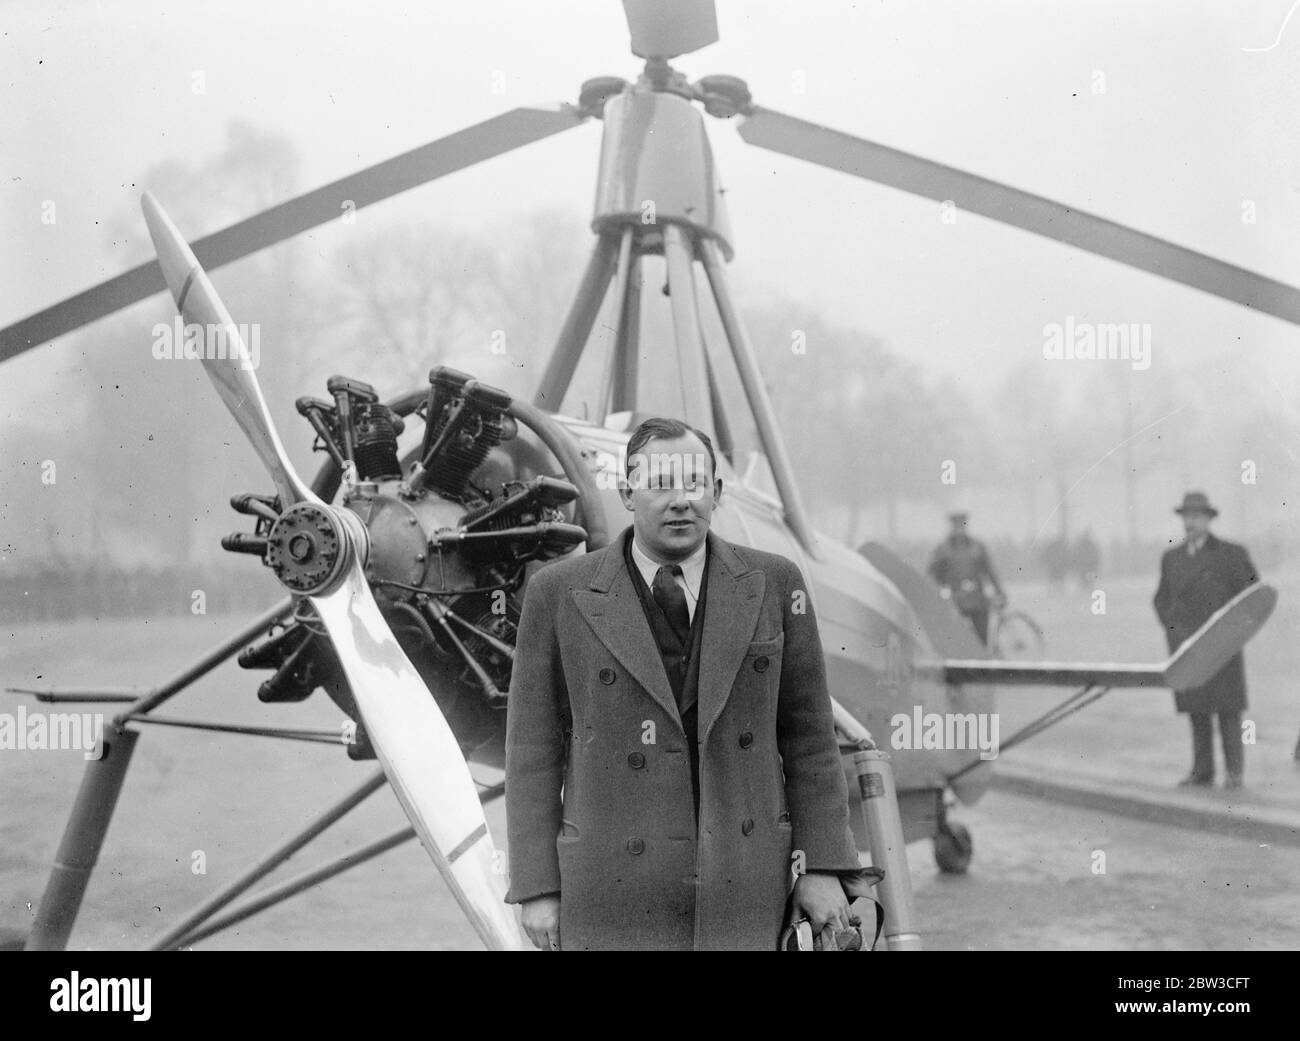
658, 193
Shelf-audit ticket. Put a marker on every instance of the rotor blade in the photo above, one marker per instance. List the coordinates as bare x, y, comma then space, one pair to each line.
1020, 209
457, 151
232, 371
421, 757
670, 28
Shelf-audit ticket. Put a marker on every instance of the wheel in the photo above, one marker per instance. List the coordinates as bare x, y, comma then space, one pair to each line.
1018, 637
953, 847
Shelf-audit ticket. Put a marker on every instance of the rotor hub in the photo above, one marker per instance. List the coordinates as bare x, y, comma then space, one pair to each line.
725, 96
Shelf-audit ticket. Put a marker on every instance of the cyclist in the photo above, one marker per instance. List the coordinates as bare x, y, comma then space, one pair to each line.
963, 571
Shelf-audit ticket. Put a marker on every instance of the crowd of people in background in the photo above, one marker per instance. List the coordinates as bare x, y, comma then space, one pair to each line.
1081, 558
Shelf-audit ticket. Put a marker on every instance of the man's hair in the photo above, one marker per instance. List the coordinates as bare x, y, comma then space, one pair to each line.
661, 428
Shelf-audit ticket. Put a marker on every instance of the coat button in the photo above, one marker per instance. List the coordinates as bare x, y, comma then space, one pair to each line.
636, 760
636, 846
748, 827
761, 663
607, 676
746, 739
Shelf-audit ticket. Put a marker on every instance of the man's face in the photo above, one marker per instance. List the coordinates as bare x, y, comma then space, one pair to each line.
1196, 524
671, 491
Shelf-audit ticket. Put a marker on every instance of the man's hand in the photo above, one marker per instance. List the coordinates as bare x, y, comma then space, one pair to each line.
820, 898
541, 921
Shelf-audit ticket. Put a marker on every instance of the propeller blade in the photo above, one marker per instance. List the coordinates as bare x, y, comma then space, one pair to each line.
670, 28
1020, 209
233, 374
420, 756
474, 144
416, 747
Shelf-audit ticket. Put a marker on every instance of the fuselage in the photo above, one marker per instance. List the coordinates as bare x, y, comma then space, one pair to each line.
880, 663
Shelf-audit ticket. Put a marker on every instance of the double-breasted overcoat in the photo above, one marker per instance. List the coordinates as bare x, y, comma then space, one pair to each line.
599, 799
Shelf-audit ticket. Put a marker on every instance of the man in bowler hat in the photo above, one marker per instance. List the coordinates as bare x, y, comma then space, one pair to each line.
1197, 577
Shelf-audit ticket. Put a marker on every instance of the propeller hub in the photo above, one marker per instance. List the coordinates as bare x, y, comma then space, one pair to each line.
309, 547
301, 548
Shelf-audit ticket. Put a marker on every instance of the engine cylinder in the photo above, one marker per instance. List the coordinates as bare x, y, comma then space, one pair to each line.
376, 443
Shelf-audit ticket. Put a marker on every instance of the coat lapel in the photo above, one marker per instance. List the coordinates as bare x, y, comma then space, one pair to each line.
735, 598
612, 609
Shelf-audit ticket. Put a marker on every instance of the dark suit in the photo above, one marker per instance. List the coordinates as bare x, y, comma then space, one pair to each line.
1191, 589
599, 801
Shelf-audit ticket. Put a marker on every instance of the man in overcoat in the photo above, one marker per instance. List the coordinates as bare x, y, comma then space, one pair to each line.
1197, 577
671, 763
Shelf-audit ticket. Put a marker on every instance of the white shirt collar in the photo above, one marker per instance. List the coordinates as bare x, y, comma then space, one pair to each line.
690, 578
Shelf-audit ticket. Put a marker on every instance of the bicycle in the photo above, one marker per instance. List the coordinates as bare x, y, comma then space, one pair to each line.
1015, 636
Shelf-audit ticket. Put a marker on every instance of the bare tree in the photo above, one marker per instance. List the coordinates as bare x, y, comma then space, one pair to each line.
415, 296
862, 424
149, 436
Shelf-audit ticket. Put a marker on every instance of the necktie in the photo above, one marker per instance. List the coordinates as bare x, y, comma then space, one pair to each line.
671, 599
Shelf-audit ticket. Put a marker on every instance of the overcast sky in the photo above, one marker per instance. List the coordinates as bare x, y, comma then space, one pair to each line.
1188, 129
